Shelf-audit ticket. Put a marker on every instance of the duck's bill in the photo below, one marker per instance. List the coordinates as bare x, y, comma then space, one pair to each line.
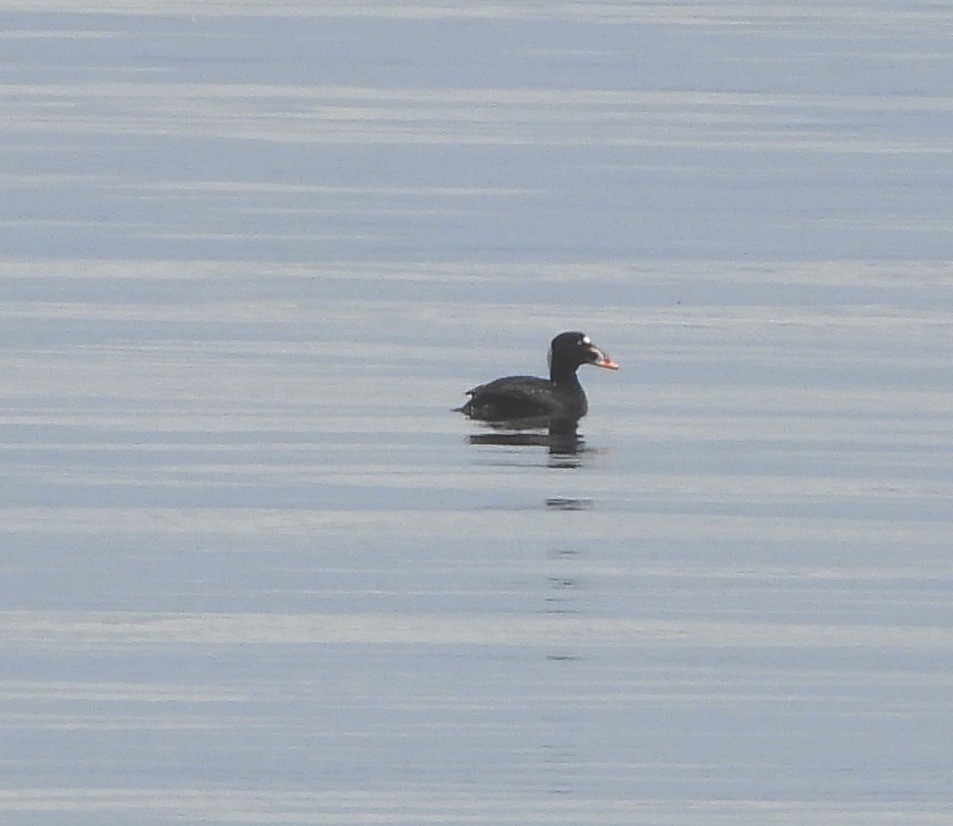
603, 360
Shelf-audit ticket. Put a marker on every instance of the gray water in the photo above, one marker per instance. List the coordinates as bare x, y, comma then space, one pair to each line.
252, 567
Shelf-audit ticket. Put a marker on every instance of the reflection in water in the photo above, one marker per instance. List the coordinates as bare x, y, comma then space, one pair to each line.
565, 447
567, 503
560, 599
559, 435
562, 760
561, 750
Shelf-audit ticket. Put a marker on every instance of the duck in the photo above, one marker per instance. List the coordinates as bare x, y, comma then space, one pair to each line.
558, 398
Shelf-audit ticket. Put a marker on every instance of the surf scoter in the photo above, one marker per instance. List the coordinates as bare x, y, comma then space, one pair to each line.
560, 397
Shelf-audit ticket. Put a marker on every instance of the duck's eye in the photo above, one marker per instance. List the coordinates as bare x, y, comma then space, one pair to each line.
585, 340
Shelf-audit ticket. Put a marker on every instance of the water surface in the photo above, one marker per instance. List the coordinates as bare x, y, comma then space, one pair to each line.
253, 568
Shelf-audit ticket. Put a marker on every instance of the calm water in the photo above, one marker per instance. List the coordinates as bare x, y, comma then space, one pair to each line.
253, 569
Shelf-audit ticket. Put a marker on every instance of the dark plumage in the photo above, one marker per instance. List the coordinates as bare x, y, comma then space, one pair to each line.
560, 397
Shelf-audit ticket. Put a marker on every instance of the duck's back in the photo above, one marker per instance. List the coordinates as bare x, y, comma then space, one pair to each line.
519, 397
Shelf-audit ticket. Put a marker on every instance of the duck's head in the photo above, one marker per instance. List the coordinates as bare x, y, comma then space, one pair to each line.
572, 349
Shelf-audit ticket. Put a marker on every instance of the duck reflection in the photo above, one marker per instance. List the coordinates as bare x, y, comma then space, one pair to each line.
560, 436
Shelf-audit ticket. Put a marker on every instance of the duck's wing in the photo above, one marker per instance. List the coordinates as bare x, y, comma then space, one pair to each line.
512, 397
